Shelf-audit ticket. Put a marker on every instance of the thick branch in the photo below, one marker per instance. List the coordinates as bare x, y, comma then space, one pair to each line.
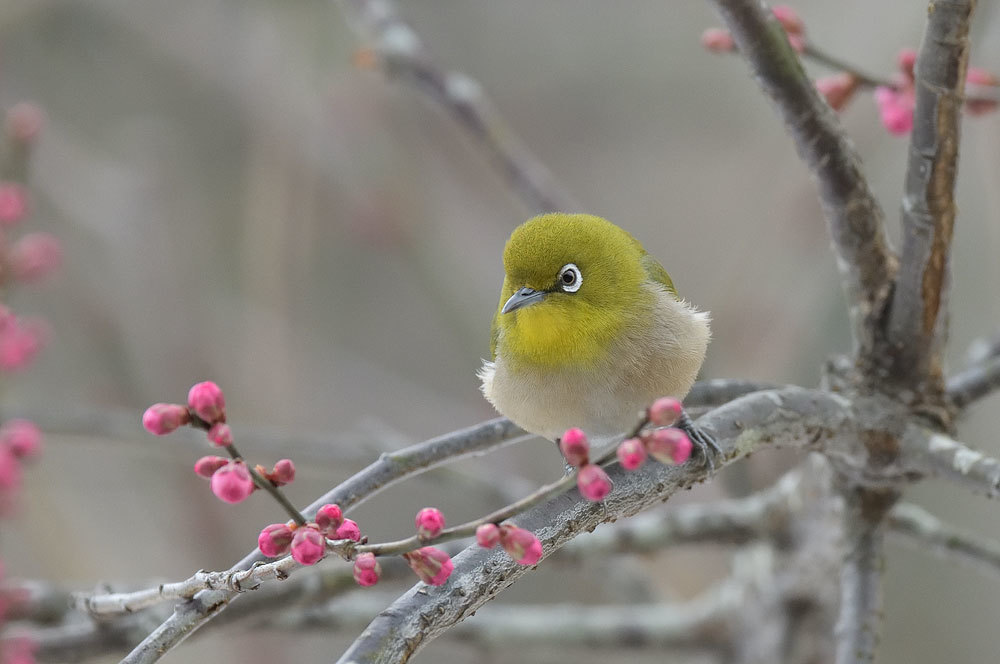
390, 468
861, 576
853, 216
791, 416
921, 529
402, 54
918, 316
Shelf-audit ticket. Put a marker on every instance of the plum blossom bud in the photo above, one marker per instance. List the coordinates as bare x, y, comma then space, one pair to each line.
520, 544
35, 256
432, 565
24, 122
895, 109
232, 482
207, 401
163, 418
308, 545
574, 446
907, 60
366, 569
789, 19
838, 89
348, 530
430, 522
718, 40
275, 540
283, 472
220, 434
328, 519
631, 453
20, 341
22, 437
668, 446
207, 465
488, 535
664, 411
13, 203
593, 482
19, 650
980, 77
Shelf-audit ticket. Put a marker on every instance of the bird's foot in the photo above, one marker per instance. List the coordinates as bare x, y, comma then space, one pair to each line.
703, 440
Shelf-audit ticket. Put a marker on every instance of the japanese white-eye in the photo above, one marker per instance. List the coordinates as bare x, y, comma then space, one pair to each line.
589, 330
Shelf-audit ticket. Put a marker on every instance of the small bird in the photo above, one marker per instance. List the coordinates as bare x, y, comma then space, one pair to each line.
589, 331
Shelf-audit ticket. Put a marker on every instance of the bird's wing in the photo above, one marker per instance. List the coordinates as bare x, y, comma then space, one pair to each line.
494, 334
656, 273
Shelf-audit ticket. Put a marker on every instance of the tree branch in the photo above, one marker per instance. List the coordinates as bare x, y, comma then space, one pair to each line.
390, 468
854, 218
936, 454
917, 325
975, 382
792, 416
860, 618
402, 54
921, 529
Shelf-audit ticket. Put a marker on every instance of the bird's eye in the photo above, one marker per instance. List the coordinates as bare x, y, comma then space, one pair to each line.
570, 278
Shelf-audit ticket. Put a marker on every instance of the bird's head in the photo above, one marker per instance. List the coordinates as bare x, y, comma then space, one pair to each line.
573, 282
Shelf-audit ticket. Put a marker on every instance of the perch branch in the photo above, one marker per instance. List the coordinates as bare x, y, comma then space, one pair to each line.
917, 324
853, 215
402, 54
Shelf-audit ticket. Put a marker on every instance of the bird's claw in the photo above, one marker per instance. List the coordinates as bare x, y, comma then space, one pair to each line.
703, 440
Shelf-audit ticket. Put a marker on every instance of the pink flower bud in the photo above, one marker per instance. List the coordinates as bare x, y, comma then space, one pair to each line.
797, 42
520, 544
10, 470
895, 109
907, 60
664, 411
430, 522
328, 519
575, 447
35, 256
24, 122
348, 530
275, 540
19, 650
13, 203
593, 482
220, 434
366, 569
163, 418
433, 566
631, 454
668, 446
789, 19
978, 76
22, 437
308, 545
718, 40
232, 482
283, 472
982, 78
20, 341
207, 465
837, 89
207, 401
488, 535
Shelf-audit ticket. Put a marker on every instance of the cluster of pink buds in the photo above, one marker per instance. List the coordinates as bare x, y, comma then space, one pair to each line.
307, 543
19, 440
520, 544
593, 483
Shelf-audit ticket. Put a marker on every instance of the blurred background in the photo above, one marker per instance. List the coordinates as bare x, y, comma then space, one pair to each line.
239, 202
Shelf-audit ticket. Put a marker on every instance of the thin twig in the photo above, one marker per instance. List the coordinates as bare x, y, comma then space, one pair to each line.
923, 530
814, 53
402, 54
937, 454
917, 323
974, 383
853, 216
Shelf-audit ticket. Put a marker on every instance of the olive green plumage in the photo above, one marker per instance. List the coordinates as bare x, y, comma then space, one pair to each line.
589, 329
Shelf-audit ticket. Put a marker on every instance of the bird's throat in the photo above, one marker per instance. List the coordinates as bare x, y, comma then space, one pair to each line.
550, 336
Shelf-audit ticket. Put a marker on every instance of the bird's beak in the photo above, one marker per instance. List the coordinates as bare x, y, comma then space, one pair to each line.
522, 298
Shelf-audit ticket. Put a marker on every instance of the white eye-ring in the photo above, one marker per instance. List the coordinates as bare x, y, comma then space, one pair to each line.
570, 278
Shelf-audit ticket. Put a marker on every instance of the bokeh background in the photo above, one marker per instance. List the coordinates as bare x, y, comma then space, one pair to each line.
239, 202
